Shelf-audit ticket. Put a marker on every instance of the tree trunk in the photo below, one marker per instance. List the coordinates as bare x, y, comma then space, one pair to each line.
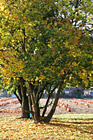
35, 104
25, 109
17, 96
49, 96
19, 93
44, 111
49, 116
25, 104
36, 113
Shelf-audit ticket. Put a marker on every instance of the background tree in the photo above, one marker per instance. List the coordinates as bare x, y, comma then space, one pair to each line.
43, 45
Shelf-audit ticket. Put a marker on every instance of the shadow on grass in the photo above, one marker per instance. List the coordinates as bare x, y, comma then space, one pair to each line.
83, 127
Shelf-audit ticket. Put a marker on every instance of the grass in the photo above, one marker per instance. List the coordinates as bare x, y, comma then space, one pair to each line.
74, 116
61, 127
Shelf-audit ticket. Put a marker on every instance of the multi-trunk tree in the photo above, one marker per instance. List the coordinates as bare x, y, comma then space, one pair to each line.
44, 44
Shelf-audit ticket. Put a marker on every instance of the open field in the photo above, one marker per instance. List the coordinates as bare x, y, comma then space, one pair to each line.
61, 127
64, 106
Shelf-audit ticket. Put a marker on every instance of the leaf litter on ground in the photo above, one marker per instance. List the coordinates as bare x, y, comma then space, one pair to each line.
79, 127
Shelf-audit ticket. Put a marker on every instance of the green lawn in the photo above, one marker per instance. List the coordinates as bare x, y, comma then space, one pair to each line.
61, 127
74, 116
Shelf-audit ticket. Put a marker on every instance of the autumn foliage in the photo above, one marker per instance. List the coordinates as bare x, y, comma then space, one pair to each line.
43, 44
66, 127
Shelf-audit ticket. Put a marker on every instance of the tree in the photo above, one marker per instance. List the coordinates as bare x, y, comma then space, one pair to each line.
43, 47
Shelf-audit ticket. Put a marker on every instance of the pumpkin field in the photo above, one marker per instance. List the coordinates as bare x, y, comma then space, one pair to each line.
64, 106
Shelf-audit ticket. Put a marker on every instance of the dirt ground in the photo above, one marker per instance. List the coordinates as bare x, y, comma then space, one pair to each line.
76, 106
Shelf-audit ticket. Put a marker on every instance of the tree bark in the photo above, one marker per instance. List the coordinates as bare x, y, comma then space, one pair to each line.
25, 105
20, 100
36, 113
50, 95
34, 103
49, 116
19, 92
25, 109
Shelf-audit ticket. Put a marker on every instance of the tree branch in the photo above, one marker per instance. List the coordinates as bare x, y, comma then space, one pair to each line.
18, 97
50, 95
